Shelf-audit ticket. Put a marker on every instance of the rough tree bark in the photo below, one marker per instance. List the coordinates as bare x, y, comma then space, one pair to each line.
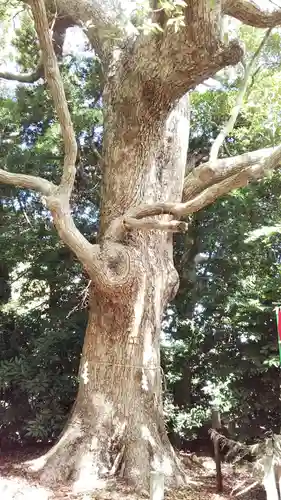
117, 426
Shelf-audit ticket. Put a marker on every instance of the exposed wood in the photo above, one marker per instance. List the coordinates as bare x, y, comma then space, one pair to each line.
216, 424
156, 485
269, 480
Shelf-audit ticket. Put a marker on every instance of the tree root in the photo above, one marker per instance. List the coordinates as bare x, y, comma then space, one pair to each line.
91, 461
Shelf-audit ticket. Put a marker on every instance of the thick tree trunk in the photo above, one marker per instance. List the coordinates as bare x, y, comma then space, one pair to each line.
117, 425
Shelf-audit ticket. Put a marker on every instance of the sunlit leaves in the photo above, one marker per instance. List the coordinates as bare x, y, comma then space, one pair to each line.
171, 13
263, 233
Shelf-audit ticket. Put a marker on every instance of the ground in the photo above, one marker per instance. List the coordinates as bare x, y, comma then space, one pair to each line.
16, 484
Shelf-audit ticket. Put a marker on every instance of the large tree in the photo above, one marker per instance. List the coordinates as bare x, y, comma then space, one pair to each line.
117, 426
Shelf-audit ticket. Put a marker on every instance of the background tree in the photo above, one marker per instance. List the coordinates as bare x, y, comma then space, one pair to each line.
120, 427
212, 353
43, 307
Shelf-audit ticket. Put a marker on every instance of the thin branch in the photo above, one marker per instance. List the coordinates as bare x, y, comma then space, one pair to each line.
27, 181
22, 207
31, 77
248, 488
19, 276
253, 79
55, 83
225, 146
228, 127
276, 4
249, 13
16, 15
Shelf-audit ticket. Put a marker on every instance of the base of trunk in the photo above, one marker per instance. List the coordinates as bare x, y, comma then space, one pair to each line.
90, 458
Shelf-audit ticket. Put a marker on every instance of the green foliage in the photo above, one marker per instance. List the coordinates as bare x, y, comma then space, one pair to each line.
171, 13
42, 317
26, 44
221, 330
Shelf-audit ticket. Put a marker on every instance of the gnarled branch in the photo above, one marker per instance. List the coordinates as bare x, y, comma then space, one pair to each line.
207, 174
181, 60
95, 260
203, 199
31, 77
210, 194
109, 266
104, 21
249, 13
27, 181
228, 174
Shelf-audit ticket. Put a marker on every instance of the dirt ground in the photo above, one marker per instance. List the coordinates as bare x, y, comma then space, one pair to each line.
16, 484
